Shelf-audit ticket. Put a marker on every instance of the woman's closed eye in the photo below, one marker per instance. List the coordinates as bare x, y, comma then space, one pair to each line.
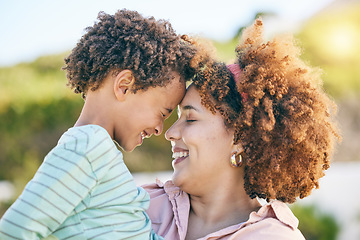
190, 120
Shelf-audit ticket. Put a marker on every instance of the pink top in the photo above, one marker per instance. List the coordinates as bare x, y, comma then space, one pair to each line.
169, 213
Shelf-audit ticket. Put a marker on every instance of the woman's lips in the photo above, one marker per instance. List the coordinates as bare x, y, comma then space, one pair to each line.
178, 160
179, 156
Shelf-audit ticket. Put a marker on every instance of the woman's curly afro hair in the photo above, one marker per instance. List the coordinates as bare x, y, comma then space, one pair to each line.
285, 125
127, 40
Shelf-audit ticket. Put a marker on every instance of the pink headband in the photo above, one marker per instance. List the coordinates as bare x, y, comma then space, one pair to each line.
236, 72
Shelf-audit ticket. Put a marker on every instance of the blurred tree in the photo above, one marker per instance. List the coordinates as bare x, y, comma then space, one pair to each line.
331, 41
35, 108
315, 225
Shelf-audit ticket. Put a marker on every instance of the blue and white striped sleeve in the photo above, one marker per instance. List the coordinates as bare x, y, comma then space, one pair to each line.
61, 183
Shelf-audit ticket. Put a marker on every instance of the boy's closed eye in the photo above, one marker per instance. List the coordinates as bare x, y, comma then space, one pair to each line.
167, 113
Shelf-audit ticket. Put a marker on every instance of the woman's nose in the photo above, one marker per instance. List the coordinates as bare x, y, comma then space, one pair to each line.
173, 132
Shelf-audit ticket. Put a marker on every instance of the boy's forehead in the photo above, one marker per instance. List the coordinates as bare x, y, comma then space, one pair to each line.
175, 90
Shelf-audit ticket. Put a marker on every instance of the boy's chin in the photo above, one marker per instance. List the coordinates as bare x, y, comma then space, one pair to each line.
123, 148
129, 148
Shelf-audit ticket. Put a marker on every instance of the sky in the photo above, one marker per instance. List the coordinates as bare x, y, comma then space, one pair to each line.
33, 28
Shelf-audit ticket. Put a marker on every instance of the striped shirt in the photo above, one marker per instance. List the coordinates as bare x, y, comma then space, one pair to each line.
82, 190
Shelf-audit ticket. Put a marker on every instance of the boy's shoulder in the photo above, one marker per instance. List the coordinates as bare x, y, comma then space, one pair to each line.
88, 146
84, 138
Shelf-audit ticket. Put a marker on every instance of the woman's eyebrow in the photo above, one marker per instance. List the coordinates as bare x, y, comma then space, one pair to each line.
184, 108
188, 107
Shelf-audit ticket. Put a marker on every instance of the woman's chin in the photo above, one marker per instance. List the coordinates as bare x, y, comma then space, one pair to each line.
176, 179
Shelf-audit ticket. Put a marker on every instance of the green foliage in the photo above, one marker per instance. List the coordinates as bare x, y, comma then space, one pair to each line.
226, 50
315, 225
30, 131
38, 81
331, 41
35, 108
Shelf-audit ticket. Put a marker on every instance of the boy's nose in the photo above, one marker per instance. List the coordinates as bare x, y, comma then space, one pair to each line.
158, 129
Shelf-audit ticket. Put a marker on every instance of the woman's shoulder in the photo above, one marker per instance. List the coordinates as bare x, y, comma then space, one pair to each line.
168, 210
166, 195
274, 220
159, 189
280, 211
161, 196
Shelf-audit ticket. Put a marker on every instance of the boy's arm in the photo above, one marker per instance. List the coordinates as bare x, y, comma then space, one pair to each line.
60, 184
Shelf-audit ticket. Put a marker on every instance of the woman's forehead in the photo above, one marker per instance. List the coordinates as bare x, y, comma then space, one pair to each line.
191, 98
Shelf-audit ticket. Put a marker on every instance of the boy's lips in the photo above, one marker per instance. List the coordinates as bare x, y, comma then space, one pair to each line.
143, 135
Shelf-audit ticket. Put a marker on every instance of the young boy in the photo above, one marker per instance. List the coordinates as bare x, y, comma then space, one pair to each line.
131, 71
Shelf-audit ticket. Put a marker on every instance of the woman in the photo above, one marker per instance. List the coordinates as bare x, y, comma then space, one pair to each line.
260, 128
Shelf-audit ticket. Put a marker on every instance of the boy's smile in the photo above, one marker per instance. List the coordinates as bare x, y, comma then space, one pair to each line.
145, 111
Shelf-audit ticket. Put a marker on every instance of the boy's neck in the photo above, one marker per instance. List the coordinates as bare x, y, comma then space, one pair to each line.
95, 111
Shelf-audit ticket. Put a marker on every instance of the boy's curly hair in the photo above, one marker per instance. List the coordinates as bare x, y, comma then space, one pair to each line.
285, 125
127, 40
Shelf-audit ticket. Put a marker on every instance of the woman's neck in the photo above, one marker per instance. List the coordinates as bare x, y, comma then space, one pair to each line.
223, 206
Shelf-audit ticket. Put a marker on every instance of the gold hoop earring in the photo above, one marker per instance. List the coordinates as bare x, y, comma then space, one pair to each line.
236, 160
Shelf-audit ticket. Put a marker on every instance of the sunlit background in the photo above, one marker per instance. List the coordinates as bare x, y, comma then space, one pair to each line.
36, 107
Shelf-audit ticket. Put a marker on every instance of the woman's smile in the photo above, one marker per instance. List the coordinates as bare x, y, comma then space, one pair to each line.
179, 155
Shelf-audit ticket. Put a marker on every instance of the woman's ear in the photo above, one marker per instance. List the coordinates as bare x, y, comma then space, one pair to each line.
123, 83
237, 148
